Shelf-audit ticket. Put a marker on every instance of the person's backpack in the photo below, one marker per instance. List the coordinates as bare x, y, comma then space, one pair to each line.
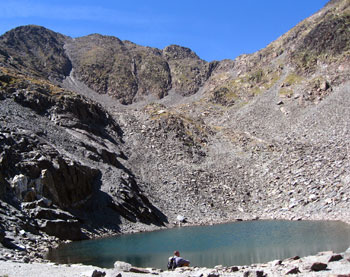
171, 263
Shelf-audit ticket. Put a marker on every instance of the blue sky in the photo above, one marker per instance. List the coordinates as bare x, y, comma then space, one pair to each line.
215, 29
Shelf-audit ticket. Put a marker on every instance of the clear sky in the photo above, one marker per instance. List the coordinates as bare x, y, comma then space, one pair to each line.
214, 29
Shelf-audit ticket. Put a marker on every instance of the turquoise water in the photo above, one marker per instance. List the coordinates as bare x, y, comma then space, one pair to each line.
239, 243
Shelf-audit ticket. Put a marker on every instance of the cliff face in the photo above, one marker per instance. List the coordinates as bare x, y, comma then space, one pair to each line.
129, 72
100, 135
56, 148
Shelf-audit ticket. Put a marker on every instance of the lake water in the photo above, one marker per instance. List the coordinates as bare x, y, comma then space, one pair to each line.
239, 243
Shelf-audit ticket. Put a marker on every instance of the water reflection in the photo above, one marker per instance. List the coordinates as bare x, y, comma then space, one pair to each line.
238, 243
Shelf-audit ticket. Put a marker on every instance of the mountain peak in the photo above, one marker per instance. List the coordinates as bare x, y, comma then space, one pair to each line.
36, 50
177, 52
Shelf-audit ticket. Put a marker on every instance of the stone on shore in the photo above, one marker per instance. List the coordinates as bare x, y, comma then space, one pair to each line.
97, 273
294, 270
317, 266
122, 266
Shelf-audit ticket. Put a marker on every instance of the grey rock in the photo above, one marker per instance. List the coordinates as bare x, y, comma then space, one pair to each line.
139, 270
51, 214
122, 266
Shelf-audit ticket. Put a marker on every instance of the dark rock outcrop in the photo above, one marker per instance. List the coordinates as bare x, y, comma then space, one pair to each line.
63, 229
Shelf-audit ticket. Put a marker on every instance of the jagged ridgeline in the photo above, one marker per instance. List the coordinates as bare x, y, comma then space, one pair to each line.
100, 136
122, 69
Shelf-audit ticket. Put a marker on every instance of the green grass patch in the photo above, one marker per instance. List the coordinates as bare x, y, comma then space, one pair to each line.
286, 92
292, 79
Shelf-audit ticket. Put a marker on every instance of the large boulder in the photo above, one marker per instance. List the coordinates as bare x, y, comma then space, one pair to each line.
64, 230
317, 266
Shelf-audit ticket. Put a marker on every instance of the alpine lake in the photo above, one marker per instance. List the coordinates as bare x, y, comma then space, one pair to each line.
239, 243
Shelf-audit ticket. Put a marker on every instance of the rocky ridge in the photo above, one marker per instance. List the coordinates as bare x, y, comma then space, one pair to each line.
263, 136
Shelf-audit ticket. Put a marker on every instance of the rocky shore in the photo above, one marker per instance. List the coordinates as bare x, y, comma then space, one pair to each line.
322, 264
26, 252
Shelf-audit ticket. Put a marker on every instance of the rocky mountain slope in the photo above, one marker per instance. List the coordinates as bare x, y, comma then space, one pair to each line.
100, 136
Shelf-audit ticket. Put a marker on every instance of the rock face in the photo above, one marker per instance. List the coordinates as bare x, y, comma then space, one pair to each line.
35, 50
53, 164
105, 65
263, 136
188, 71
130, 72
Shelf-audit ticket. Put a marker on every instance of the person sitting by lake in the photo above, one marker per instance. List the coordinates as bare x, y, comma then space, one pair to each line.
177, 261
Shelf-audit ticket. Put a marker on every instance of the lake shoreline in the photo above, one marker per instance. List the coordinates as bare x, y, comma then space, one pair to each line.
322, 264
239, 243
38, 254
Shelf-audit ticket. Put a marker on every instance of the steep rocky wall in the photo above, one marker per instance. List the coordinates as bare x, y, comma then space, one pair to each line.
55, 149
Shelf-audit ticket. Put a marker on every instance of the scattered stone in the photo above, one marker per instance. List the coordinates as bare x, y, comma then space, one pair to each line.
234, 269
26, 260
276, 262
294, 258
181, 219
213, 274
98, 273
294, 270
318, 266
253, 273
324, 86
336, 257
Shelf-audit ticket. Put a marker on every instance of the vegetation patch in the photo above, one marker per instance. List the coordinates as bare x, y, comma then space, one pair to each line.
286, 92
233, 91
292, 79
326, 42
